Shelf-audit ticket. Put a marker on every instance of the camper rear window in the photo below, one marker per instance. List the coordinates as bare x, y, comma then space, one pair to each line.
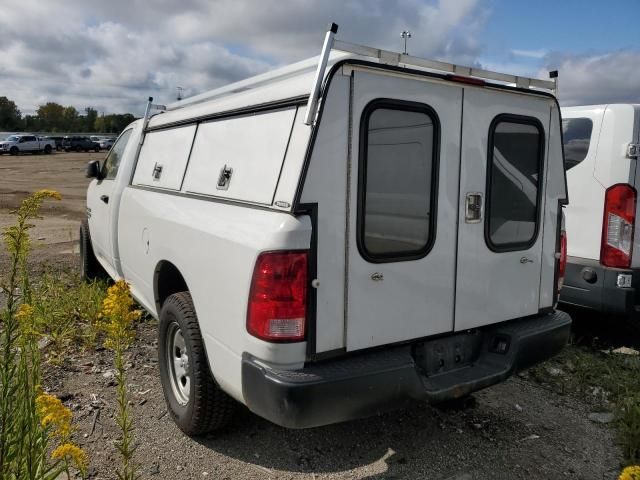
576, 136
397, 181
514, 176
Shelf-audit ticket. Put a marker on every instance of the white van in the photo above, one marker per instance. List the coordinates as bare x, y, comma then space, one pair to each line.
601, 151
338, 237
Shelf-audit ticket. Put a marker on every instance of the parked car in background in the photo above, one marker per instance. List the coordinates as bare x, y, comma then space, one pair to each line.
15, 144
57, 140
95, 138
78, 144
106, 143
601, 148
403, 241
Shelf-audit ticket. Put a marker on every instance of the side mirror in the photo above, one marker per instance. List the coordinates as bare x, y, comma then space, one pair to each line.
93, 170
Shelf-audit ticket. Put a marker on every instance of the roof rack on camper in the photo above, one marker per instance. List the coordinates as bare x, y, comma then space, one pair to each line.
332, 48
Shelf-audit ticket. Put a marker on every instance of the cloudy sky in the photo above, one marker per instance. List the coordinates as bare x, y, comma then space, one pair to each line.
112, 54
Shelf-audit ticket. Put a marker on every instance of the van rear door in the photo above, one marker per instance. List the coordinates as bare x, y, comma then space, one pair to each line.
403, 197
501, 210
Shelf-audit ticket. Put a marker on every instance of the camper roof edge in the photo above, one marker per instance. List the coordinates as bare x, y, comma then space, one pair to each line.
389, 57
382, 56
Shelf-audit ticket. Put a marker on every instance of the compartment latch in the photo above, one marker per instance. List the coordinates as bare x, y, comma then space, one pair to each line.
225, 178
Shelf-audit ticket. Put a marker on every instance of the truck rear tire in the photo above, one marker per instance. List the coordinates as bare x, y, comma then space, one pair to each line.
47, 149
194, 400
90, 268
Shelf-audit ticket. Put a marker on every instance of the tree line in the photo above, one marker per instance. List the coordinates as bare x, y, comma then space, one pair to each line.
53, 117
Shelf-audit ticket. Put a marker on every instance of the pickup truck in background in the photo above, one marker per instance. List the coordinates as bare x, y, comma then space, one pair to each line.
16, 144
78, 144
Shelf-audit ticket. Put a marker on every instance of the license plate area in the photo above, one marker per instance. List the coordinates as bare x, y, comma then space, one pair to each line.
447, 354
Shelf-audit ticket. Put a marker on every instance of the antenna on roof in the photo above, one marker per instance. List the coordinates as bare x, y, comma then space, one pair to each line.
322, 66
179, 95
405, 34
553, 74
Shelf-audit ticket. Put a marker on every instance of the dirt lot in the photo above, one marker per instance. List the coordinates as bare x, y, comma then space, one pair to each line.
517, 430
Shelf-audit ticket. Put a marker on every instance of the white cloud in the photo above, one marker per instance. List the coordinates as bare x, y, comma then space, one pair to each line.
529, 53
587, 80
112, 55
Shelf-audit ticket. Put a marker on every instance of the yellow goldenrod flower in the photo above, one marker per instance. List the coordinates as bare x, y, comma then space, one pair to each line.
118, 316
55, 415
73, 452
24, 311
630, 473
24, 315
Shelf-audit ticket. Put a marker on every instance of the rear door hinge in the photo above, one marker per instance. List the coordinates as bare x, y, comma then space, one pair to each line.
633, 150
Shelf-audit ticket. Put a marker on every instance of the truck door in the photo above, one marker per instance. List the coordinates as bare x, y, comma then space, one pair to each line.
402, 198
102, 204
502, 179
30, 143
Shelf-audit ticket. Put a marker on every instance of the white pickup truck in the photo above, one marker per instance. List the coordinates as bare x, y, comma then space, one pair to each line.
15, 144
337, 237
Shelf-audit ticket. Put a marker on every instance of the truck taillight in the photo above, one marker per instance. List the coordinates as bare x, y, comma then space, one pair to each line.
617, 226
562, 261
277, 310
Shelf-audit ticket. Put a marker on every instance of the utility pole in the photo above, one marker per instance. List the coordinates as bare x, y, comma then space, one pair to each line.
405, 35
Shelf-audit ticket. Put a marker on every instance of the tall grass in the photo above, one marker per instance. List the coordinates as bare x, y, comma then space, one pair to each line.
119, 314
31, 422
67, 312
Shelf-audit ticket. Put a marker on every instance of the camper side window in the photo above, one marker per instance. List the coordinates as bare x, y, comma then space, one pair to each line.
576, 137
397, 181
514, 179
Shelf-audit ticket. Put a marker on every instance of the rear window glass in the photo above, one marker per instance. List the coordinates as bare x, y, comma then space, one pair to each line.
576, 135
515, 171
397, 182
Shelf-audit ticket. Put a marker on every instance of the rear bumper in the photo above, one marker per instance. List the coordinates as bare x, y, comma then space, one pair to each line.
370, 383
588, 284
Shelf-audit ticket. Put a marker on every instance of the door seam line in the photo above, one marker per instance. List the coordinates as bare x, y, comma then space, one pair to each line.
348, 212
455, 261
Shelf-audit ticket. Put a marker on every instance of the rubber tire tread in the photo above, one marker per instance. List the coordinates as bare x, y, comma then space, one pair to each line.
92, 268
209, 407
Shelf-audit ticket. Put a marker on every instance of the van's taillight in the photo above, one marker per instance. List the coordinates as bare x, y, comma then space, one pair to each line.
617, 226
277, 310
562, 261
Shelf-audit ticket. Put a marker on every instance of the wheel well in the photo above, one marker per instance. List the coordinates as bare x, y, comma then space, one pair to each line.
167, 281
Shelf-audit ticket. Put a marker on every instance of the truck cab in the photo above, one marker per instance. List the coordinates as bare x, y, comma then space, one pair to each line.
338, 237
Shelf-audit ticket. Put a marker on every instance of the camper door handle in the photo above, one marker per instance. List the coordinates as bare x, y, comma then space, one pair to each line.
524, 260
104, 198
473, 207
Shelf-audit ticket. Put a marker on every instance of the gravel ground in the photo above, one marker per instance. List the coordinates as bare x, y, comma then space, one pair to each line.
516, 430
